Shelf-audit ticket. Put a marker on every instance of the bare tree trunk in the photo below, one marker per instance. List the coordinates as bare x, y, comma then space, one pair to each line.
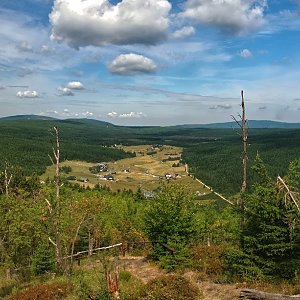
55, 210
242, 124
7, 180
244, 139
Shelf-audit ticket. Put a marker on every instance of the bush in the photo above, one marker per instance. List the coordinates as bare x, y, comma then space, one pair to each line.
172, 287
43, 260
239, 265
43, 291
208, 259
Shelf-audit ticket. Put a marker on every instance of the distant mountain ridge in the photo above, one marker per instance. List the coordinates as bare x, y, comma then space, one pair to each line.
251, 124
224, 125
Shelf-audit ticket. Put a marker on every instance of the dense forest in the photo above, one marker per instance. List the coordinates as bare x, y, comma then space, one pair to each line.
214, 155
65, 241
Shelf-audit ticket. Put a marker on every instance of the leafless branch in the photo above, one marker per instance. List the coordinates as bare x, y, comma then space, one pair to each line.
288, 193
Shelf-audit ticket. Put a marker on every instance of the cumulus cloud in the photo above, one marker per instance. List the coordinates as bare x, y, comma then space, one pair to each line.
246, 53
75, 85
132, 114
88, 114
112, 114
27, 94
183, 32
236, 17
82, 23
64, 91
130, 64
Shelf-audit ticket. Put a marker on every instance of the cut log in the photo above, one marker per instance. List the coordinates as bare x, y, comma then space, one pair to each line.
258, 295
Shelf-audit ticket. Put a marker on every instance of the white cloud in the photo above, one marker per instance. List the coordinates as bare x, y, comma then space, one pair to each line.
75, 85
183, 32
88, 114
82, 23
64, 91
224, 106
45, 49
130, 64
246, 53
112, 114
24, 46
27, 94
236, 17
131, 115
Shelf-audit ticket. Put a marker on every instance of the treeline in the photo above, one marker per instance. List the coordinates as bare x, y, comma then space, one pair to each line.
219, 164
28, 143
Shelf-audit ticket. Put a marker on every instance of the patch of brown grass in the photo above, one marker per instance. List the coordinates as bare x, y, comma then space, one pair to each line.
50, 291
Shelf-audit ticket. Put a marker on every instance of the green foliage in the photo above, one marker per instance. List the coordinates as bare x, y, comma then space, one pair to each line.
208, 259
170, 224
216, 158
271, 233
240, 265
66, 169
139, 196
172, 287
43, 259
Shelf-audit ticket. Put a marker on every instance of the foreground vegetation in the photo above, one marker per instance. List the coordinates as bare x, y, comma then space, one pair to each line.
44, 226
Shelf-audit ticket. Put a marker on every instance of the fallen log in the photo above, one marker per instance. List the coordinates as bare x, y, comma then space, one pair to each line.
258, 295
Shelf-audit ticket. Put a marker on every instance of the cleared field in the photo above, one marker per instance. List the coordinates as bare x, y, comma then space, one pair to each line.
147, 170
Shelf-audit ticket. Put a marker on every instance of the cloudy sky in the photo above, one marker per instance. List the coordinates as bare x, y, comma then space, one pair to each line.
150, 62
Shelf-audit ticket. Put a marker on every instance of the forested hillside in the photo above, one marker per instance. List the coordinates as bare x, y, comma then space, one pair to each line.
214, 155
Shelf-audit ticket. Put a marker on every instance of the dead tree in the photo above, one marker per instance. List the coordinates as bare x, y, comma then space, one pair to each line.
7, 179
55, 208
242, 123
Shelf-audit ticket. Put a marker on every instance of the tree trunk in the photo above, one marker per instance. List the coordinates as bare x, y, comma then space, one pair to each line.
258, 295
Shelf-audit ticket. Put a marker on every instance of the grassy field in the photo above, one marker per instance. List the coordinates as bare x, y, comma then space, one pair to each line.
147, 170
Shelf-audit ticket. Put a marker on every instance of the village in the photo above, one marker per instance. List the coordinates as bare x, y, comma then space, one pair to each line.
151, 166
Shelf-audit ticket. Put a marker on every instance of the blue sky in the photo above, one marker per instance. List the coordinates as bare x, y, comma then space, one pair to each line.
154, 62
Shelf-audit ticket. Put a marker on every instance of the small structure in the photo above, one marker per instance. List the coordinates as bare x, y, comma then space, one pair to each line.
108, 177
149, 194
125, 171
82, 179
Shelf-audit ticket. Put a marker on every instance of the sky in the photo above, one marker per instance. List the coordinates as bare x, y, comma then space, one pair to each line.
150, 62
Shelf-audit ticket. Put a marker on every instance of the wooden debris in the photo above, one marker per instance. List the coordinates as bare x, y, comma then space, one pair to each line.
258, 295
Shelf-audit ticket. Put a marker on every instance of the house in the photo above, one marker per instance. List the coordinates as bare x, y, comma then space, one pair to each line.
82, 179
149, 195
108, 177
168, 176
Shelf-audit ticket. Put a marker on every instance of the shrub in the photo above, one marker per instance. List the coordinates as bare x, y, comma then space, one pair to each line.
239, 265
43, 291
171, 287
208, 259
